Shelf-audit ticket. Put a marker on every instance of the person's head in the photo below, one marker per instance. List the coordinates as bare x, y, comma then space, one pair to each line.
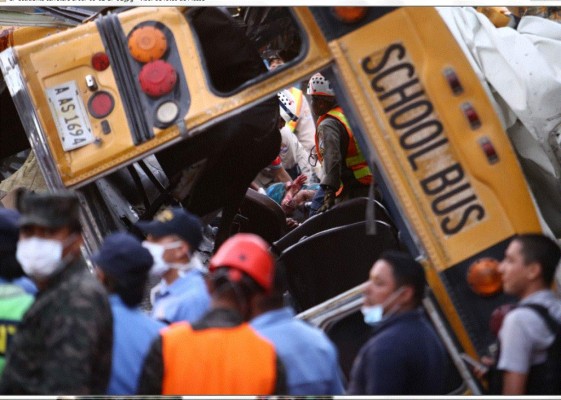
396, 284
241, 269
9, 232
529, 264
322, 94
274, 299
50, 232
273, 59
172, 237
122, 265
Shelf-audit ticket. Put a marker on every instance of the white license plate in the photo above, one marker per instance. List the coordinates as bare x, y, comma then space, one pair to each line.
70, 116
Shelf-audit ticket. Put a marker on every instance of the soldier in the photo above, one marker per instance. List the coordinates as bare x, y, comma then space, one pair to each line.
64, 341
14, 300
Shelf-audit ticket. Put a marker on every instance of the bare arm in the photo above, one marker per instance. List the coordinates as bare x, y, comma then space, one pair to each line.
514, 383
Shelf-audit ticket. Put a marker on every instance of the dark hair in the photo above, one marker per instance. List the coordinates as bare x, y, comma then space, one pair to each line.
130, 290
275, 299
226, 286
539, 248
406, 271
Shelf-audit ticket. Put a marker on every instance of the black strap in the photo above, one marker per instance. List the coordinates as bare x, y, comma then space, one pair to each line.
553, 325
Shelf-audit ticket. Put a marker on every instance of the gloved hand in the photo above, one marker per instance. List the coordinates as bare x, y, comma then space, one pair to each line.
328, 200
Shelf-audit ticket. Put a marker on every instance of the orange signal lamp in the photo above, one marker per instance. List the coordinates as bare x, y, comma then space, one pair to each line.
349, 15
147, 44
484, 278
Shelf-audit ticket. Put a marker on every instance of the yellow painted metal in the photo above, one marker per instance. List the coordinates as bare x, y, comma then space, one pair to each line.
66, 57
414, 44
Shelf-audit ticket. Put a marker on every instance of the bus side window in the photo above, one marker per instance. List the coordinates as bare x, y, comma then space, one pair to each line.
231, 42
229, 55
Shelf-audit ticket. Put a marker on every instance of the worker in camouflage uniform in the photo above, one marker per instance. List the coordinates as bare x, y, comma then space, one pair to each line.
64, 341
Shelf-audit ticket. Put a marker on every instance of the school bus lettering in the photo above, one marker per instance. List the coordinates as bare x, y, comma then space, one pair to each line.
424, 106
452, 229
409, 140
442, 179
427, 149
422, 137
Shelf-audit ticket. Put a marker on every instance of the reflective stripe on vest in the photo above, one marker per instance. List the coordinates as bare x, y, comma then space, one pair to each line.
354, 159
217, 361
298, 95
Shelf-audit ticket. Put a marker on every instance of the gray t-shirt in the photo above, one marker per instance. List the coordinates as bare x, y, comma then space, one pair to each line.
525, 336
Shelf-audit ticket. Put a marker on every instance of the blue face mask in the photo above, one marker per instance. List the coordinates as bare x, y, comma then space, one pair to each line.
374, 314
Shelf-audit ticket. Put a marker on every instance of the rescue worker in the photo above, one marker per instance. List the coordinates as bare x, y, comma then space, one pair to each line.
64, 341
293, 155
14, 300
303, 125
122, 265
221, 354
173, 238
337, 149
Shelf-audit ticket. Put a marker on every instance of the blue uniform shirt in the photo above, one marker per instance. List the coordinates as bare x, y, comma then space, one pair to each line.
133, 333
309, 357
186, 299
404, 357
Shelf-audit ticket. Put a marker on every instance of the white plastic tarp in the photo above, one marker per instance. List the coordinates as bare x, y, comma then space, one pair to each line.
521, 69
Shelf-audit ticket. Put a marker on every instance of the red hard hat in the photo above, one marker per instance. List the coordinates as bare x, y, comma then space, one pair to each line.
247, 253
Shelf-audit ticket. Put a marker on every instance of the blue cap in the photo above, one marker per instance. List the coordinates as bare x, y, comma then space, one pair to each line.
123, 257
175, 221
9, 230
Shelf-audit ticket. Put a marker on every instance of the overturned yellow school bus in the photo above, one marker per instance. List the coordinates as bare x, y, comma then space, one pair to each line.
110, 95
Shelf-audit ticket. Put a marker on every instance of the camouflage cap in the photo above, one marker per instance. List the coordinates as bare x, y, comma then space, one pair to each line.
51, 210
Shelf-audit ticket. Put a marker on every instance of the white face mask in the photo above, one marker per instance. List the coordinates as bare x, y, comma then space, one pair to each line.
374, 314
40, 258
160, 266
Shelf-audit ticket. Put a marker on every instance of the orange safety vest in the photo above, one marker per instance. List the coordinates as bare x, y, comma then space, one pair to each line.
217, 361
354, 159
297, 94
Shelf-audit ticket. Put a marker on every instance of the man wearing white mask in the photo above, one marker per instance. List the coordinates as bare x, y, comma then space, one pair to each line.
173, 237
405, 355
64, 342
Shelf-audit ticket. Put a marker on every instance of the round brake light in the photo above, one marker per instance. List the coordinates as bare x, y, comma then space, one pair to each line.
147, 44
101, 104
100, 61
157, 78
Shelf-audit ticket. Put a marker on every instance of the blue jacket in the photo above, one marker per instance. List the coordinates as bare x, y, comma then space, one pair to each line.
133, 333
186, 299
309, 357
404, 357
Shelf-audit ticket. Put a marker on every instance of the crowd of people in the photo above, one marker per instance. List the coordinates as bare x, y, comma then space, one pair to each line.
227, 329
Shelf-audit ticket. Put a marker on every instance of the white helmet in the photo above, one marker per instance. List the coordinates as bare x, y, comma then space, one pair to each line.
287, 105
319, 86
